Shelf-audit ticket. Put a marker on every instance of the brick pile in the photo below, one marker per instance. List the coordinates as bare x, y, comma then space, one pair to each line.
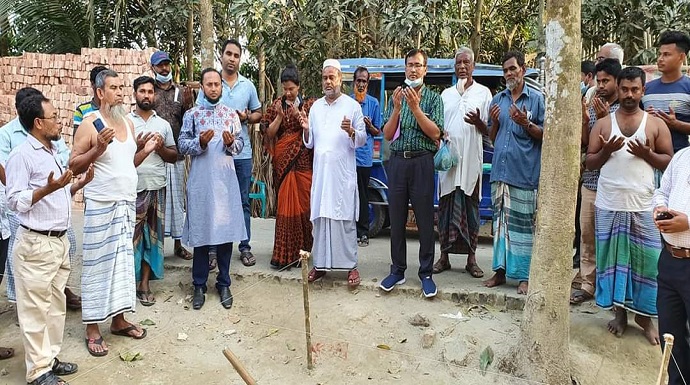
65, 78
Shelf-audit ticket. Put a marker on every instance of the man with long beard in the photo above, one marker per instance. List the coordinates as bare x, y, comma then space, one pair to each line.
106, 139
151, 191
364, 154
334, 187
517, 116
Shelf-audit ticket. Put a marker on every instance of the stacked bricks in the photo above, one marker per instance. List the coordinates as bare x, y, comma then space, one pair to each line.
65, 78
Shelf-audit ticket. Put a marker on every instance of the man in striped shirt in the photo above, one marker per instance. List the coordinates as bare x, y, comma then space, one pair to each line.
92, 105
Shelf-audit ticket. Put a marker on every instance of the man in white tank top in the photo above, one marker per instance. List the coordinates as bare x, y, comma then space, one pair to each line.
628, 146
106, 139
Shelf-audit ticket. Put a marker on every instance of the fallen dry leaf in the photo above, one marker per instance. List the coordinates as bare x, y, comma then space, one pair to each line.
383, 346
130, 356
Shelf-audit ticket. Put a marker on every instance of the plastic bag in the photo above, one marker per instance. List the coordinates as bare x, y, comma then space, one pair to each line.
445, 157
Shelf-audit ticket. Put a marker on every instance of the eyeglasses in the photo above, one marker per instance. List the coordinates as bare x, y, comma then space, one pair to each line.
415, 65
53, 118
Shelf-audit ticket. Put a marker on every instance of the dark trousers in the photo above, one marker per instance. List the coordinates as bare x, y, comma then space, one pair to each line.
673, 307
411, 180
4, 245
363, 174
243, 169
578, 231
200, 265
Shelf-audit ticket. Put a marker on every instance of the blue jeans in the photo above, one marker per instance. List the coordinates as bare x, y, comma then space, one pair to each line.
243, 169
200, 265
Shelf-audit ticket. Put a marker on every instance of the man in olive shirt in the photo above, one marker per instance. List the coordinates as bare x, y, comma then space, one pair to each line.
412, 122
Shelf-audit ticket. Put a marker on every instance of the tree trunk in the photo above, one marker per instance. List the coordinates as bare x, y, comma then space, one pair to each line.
207, 39
542, 354
189, 45
476, 38
262, 76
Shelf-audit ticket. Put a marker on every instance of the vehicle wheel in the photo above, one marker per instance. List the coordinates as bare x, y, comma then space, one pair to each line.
377, 213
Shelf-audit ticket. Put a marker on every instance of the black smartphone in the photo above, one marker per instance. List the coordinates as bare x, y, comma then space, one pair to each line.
663, 215
98, 123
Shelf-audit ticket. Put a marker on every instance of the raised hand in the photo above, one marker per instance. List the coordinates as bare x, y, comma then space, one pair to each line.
639, 149
153, 143
473, 117
518, 116
142, 138
346, 125
614, 143
85, 178
495, 113
104, 138
585, 112
601, 107
205, 137
397, 98
303, 120
668, 118
228, 138
62, 181
411, 97
243, 115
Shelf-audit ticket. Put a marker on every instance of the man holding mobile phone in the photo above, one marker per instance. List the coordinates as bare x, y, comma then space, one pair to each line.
671, 208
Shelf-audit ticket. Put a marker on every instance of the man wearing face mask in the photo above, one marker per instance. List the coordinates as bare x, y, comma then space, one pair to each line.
211, 137
364, 154
413, 122
517, 116
172, 100
334, 129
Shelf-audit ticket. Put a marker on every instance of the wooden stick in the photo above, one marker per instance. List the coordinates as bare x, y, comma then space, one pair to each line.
239, 367
663, 371
304, 257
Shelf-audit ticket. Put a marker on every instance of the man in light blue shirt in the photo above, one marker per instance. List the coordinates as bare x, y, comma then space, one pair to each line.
364, 155
12, 135
240, 94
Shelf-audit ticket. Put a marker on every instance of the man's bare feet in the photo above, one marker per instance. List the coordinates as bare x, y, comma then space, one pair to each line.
648, 329
498, 279
618, 325
522, 287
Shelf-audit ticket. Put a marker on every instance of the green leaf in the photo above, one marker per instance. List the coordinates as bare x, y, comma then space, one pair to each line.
131, 356
383, 347
485, 359
147, 322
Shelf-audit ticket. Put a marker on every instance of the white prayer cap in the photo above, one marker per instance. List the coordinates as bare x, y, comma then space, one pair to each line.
331, 63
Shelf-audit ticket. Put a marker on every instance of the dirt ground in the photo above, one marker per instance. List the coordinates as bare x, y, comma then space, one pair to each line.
265, 329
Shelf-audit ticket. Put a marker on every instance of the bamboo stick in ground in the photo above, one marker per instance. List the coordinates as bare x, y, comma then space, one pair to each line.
241, 370
663, 371
304, 257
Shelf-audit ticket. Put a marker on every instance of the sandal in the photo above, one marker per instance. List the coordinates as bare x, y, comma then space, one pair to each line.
441, 267
580, 296
126, 332
73, 300
353, 279
183, 253
315, 275
145, 298
363, 241
96, 341
474, 270
6, 353
247, 258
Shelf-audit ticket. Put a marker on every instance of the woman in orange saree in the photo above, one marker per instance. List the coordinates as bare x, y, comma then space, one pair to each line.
292, 170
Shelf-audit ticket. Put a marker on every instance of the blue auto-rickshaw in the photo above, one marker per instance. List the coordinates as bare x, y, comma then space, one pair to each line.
385, 76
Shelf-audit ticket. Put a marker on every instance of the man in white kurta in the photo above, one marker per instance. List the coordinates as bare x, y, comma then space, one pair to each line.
465, 111
334, 129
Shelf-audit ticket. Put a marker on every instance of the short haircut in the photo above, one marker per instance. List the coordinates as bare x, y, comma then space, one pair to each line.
467, 50
138, 82
31, 108
588, 67
610, 66
95, 71
631, 73
415, 52
233, 42
616, 51
361, 69
290, 74
680, 39
519, 57
100, 78
207, 70
24, 93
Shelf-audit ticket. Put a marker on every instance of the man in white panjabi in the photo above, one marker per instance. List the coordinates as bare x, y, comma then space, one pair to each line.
334, 199
466, 110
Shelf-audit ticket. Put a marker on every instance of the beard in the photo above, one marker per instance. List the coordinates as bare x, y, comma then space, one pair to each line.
116, 111
360, 95
145, 105
333, 93
512, 84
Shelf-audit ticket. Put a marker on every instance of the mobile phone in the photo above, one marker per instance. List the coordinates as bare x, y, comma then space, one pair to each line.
663, 215
98, 123
404, 85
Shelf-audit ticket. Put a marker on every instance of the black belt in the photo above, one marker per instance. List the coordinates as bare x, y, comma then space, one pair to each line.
50, 233
678, 252
410, 154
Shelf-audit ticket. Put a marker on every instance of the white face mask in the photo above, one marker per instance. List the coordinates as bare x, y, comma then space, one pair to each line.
460, 86
414, 83
164, 79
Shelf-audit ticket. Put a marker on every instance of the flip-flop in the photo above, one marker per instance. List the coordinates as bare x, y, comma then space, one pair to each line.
474, 270
125, 332
97, 341
181, 252
353, 279
315, 275
6, 353
144, 299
